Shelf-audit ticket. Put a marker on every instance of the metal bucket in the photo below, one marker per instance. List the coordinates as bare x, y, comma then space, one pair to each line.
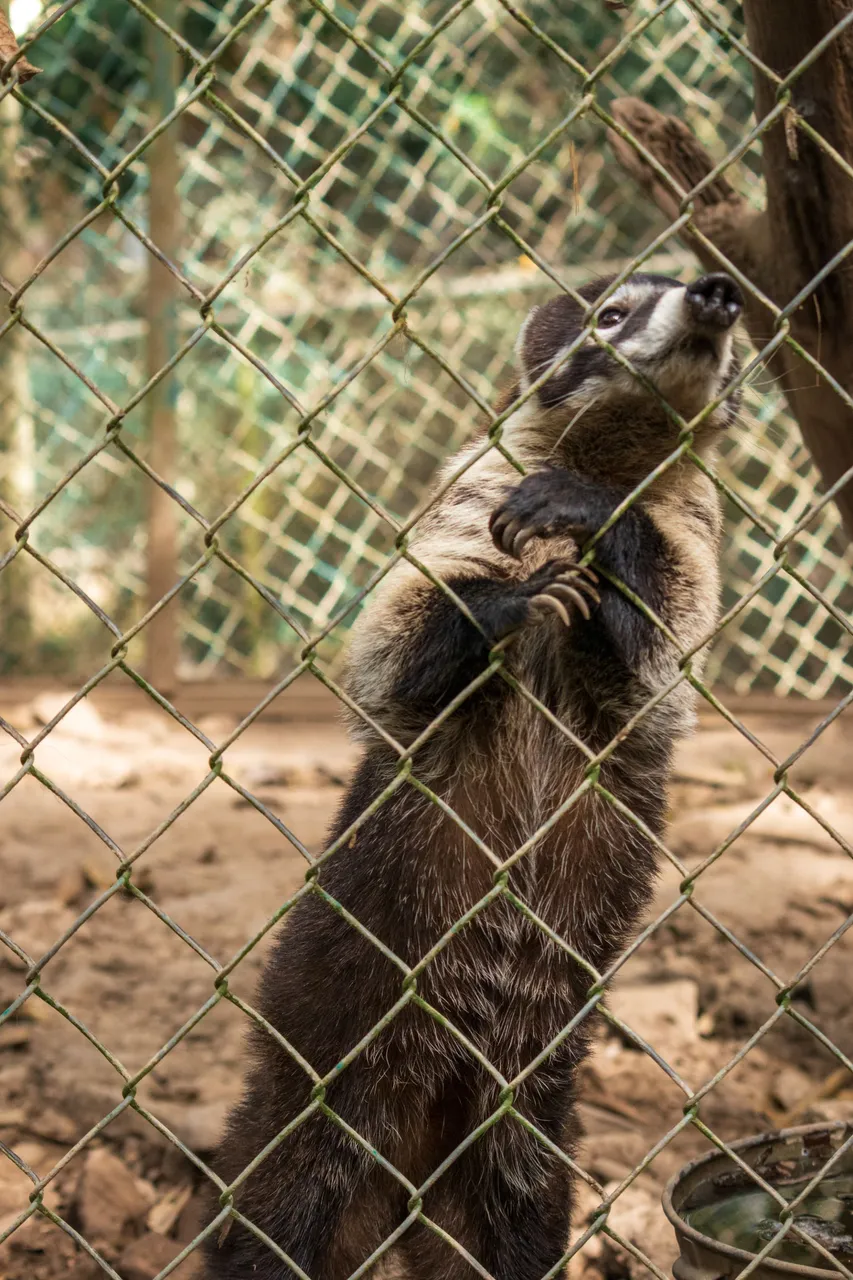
780, 1158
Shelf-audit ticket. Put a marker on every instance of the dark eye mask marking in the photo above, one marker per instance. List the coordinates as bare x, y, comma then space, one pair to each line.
638, 318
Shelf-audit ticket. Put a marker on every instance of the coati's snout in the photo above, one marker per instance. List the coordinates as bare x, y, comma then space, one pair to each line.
714, 302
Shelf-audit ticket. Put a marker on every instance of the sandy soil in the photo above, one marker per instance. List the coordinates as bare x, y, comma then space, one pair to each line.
220, 869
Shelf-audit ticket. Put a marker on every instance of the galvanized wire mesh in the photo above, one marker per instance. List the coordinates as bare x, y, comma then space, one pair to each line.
346, 343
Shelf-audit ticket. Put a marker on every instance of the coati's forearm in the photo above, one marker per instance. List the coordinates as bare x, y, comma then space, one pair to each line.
448, 651
556, 502
634, 552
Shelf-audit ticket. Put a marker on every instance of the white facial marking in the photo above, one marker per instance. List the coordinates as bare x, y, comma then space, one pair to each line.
726, 350
665, 323
627, 295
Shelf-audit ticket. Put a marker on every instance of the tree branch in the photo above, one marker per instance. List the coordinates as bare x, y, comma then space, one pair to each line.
724, 217
808, 218
8, 49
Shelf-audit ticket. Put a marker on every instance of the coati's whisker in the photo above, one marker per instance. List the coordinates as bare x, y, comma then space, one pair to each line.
584, 409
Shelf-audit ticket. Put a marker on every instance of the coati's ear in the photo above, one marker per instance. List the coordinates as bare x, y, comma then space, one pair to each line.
514, 388
509, 393
520, 361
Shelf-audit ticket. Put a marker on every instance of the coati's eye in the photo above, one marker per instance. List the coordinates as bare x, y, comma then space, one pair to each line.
610, 316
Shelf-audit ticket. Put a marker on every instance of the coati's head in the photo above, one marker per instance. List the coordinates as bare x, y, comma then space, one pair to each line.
679, 337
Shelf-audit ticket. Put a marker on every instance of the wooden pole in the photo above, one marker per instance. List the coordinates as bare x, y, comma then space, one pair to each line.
17, 428
162, 632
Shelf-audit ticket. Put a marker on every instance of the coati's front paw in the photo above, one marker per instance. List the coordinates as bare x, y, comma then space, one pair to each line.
558, 584
545, 503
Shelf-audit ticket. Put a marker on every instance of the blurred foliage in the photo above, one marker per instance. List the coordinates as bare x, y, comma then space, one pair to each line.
396, 200
94, 59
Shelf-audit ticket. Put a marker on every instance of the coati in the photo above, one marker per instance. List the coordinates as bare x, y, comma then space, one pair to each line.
508, 548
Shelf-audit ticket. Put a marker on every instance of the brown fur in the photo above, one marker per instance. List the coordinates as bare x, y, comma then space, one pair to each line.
499, 984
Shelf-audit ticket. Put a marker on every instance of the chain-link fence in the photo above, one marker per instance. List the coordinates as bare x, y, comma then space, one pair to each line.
397, 184
235, 401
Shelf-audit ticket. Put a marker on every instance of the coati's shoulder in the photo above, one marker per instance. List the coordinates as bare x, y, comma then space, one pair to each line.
450, 542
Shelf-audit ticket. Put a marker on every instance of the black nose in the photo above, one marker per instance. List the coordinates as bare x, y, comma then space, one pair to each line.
714, 301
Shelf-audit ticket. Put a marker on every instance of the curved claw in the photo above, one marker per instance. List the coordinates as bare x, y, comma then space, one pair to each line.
493, 518
571, 576
497, 523
508, 533
571, 595
520, 541
553, 603
580, 584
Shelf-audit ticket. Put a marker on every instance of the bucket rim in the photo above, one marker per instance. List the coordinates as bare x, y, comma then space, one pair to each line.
731, 1251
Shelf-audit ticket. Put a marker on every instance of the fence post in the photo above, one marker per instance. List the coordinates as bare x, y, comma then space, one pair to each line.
17, 429
162, 643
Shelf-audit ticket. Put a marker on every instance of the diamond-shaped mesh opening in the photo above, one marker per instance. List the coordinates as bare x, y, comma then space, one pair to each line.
264, 269
488, 86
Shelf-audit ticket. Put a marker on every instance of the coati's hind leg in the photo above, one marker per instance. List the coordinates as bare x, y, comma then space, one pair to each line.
321, 1198
523, 1240
517, 1232
528, 1231
554, 502
321, 1195
447, 652
506, 1199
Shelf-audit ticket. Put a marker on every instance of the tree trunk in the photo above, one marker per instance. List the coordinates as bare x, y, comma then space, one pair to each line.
808, 217
161, 633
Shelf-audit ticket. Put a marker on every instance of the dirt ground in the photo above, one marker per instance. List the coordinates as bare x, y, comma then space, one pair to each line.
220, 870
